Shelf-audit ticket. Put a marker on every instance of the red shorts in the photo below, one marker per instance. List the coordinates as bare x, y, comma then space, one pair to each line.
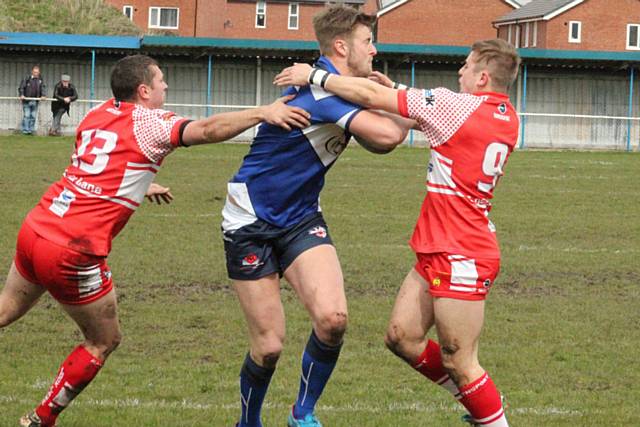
71, 277
457, 276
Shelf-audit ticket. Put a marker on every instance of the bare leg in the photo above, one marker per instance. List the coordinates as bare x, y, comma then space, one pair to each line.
17, 297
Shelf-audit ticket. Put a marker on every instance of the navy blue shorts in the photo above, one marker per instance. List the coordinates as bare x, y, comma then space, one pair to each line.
260, 249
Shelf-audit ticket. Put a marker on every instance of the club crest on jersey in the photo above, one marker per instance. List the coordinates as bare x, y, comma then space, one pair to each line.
251, 261
502, 108
429, 98
436, 282
319, 231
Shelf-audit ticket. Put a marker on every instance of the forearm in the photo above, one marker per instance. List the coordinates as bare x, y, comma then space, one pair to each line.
222, 127
357, 90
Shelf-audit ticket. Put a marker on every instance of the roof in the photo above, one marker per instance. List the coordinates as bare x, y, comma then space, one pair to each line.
70, 40
537, 10
389, 5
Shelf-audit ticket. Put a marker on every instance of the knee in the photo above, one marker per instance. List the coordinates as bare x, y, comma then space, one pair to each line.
268, 349
394, 338
332, 326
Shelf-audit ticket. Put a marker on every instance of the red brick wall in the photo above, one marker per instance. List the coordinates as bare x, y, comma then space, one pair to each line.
238, 20
441, 22
186, 16
604, 25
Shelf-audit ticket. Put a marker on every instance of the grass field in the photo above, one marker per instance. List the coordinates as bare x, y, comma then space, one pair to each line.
563, 321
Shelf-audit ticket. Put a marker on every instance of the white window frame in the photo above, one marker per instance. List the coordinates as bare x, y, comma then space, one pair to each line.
294, 15
637, 46
517, 44
263, 12
159, 14
534, 41
571, 38
130, 9
526, 34
509, 33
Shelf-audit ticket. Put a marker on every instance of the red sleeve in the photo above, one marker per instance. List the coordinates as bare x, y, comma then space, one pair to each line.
402, 103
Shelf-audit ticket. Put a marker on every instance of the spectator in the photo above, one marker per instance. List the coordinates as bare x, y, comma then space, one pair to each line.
31, 87
64, 94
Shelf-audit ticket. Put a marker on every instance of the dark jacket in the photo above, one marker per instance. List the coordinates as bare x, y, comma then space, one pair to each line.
60, 93
31, 87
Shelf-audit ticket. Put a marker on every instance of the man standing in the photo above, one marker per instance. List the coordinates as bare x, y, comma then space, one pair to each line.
64, 241
64, 94
273, 226
471, 135
31, 87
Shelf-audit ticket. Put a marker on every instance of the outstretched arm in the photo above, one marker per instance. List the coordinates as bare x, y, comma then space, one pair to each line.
223, 126
357, 90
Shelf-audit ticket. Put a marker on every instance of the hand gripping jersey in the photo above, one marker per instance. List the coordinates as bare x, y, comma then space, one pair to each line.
119, 149
471, 136
282, 175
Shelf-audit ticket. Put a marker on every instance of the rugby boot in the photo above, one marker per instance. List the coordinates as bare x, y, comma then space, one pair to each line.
309, 420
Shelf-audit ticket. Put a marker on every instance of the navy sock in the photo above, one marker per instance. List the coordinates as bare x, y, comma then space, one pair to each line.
318, 361
254, 382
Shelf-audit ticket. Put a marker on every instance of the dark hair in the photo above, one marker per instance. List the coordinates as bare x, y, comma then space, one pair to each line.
338, 20
129, 73
500, 58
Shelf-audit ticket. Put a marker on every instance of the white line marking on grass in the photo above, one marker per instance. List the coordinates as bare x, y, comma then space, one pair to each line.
186, 404
525, 248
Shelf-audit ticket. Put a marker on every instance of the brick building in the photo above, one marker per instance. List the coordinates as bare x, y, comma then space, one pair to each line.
600, 25
440, 22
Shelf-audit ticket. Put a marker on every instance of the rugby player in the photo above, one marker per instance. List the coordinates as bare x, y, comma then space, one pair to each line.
471, 135
64, 241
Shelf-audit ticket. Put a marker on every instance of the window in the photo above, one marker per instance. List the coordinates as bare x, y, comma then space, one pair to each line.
575, 28
633, 36
293, 16
261, 14
128, 12
526, 35
164, 17
517, 44
534, 41
509, 34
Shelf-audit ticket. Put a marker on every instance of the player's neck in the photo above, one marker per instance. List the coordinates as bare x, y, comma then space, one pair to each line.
341, 65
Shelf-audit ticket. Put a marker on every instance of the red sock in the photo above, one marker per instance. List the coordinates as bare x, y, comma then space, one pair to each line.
482, 400
429, 364
76, 372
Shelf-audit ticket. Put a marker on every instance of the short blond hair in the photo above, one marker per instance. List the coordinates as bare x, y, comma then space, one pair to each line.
338, 20
500, 58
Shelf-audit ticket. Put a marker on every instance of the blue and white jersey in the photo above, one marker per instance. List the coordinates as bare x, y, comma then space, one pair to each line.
282, 175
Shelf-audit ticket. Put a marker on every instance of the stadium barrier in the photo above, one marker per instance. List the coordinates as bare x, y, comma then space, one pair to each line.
622, 125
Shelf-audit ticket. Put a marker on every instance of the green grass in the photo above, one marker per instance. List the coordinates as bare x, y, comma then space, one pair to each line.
562, 330
64, 16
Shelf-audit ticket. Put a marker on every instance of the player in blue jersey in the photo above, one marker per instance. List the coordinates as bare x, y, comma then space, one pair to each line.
273, 227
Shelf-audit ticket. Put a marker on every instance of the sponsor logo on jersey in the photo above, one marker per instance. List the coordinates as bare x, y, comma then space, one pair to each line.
62, 203
502, 115
429, 98
436, 282
486, 283
114, 111
319, 231
335, 145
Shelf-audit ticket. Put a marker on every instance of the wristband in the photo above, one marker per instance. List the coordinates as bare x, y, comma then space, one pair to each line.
399, 86
319, 77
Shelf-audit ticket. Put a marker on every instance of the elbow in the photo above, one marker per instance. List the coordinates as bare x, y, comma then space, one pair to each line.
393, 137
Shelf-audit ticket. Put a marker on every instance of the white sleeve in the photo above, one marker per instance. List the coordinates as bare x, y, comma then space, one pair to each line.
156, 132
440, 112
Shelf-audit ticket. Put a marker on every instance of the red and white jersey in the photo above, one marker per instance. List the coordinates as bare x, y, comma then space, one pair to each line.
119, 149
471, 136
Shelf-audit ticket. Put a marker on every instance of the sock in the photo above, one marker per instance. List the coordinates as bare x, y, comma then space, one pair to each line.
318, 361
429, 364
76, 372
254, 382
482, 400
